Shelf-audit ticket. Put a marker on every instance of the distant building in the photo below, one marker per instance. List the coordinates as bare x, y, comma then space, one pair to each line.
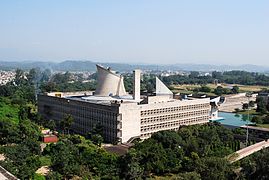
6, 76
124, 117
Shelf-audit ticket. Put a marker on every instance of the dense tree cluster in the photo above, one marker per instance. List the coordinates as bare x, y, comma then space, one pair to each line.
64, 82
231, 77
74, 155
260, 119
256, 166
198, 149
192, 152
21, 147
262, 107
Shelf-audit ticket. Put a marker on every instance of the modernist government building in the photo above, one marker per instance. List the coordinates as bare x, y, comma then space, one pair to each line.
124, 117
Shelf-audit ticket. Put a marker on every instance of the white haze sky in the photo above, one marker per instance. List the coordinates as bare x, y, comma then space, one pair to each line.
136, 31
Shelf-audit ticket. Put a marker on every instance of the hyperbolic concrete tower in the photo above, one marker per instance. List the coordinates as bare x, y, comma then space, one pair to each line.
109, 83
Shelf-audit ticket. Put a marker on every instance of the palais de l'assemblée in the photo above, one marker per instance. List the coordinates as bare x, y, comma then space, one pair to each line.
124, 117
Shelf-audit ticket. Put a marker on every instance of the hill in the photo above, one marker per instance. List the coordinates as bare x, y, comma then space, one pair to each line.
78, 65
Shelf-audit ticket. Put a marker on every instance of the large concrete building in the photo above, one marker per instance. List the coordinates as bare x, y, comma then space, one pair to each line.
124, 117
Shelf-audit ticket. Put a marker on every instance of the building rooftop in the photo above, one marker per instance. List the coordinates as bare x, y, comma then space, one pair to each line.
110, 90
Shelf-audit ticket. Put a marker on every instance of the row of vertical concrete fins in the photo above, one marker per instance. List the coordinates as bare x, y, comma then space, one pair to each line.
109, 83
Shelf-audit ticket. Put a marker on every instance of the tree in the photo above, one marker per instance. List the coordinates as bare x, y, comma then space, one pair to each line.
205, 89
219, 90
32, 76
23, 113
48, 87
21, 160
214, 168
6, 90
257, 167
45, 75
251, 104
216, 75
97, 139
245, 106
266, 119
130, 166
257, 119
51, 125
261, 105
65, 159
19, 77
66, 122
235, 90
194, 74
9, 132
29, 130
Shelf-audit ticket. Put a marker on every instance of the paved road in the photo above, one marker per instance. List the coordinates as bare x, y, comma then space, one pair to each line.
235, 101
249, 150
256, 128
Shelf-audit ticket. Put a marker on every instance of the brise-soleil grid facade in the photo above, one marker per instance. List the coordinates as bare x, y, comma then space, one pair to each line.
124, 121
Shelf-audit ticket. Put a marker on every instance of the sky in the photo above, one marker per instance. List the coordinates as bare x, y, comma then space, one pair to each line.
136, 31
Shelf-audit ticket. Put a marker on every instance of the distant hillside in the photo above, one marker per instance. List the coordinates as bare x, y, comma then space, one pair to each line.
71, 65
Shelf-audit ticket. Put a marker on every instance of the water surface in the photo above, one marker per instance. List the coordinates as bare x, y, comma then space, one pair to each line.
233, 119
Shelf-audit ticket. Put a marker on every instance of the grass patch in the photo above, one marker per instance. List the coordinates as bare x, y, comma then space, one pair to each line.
39, 177
248, 88
251, 112
8, 111
263, 125
45, 160
190, 87
232, 157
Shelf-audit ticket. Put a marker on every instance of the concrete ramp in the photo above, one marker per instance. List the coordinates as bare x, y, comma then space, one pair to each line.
240, 154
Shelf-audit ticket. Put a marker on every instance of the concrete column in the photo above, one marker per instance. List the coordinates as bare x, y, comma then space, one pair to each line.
136, 84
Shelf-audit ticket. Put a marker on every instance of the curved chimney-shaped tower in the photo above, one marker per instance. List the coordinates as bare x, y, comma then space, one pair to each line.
109, 83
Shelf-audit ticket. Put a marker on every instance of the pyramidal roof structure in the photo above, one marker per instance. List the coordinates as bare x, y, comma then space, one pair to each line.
161, 88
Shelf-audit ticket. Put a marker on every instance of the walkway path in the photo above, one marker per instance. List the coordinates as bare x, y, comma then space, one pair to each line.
5, 175
240, 154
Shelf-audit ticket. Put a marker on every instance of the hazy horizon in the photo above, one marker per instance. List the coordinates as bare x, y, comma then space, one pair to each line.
130, 63
136, 32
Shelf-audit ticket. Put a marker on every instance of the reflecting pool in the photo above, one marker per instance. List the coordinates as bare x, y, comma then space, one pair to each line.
233, 119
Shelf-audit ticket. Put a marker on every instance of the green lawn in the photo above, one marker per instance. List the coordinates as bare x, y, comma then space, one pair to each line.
263, 125
251, 112
8, 111
39, 177
188, 88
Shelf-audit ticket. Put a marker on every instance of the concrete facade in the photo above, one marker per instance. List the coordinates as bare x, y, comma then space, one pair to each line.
126, 120
86, 115
123, 117
136, 87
